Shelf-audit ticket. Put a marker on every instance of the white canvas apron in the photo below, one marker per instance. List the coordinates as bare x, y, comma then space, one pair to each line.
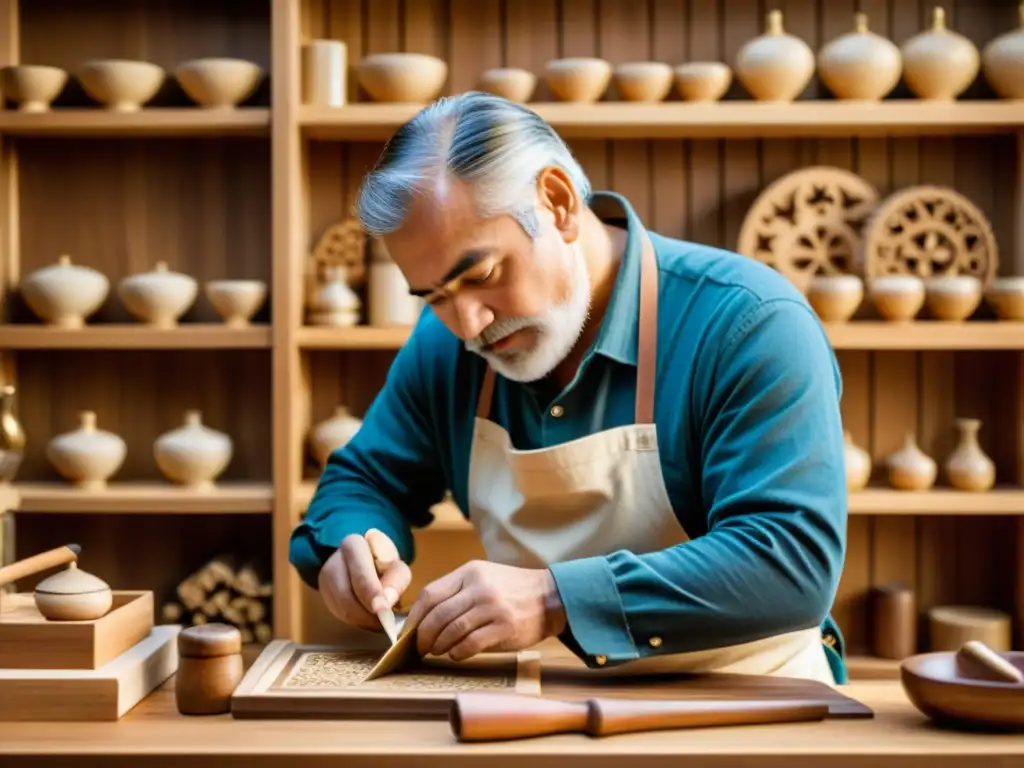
602, 493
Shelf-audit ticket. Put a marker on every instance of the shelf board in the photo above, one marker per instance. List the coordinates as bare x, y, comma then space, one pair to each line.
741, 118
858, 334
939, 501
134, 336
354, 337
146, 498
926, 335
153, 121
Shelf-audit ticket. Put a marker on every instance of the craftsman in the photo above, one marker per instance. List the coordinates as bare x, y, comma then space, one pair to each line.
644, 432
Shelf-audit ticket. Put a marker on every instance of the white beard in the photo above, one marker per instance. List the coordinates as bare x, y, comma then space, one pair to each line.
557, 331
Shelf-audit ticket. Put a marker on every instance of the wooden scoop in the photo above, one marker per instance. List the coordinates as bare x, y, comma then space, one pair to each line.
497, 716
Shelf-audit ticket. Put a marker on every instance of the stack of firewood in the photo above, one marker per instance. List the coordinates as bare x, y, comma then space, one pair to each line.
225, 591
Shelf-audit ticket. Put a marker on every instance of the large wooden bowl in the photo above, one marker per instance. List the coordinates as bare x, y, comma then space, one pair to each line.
941, 690
402, 77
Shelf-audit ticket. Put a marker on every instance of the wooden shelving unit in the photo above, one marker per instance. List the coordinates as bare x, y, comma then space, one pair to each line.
247, 193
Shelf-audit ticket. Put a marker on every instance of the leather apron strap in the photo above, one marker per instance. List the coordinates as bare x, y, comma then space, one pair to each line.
647, 342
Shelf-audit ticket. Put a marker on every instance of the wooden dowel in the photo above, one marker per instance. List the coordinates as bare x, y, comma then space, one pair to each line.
30, 565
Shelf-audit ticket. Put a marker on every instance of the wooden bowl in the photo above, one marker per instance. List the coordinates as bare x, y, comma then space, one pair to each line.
937, 685
898, 298
510, 83
1006, 297
581, 80
411, 78
32, 87
702, 80
218, 83
952, 297
119, 84
835, 297
642, 81
236, 301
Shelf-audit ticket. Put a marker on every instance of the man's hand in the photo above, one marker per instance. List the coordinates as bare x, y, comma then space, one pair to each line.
363, 576
484, 606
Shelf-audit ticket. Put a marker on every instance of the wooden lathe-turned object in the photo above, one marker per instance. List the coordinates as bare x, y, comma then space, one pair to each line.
209, 669
951, 626
860, 64
910, 468
968, 467
87, 456
193, 455
1002, 61
893, 621
938, 63
776, 65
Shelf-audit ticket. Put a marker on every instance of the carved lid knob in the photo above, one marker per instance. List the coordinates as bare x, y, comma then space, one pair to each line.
71, 581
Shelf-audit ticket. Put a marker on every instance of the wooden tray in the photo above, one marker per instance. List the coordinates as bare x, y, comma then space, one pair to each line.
323, 681
29, 641
290, 681
106, 693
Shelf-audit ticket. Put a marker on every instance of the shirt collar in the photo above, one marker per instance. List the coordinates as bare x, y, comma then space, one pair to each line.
617, 338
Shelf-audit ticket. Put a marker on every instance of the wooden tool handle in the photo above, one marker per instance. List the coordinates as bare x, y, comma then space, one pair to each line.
495, 716
30, 565
978, 660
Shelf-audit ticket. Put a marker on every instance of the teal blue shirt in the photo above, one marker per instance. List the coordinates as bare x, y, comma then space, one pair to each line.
749, 432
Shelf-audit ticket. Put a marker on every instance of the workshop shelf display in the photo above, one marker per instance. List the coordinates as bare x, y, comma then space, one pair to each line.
199, 188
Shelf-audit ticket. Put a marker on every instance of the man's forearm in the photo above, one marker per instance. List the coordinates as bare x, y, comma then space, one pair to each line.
751, 579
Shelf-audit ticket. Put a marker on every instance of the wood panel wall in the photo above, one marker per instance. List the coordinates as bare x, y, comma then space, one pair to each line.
119, 206
701, 191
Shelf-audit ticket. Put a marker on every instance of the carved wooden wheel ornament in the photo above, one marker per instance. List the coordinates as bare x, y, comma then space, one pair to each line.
809, 223
344, 244
929, 230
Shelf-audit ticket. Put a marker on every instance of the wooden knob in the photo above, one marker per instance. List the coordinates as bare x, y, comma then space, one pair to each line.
209, 641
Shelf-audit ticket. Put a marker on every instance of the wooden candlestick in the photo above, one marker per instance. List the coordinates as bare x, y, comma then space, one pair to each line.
496, 716
209, 668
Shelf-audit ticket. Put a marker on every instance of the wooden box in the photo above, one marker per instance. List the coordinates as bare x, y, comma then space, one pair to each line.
103, 694
29, 641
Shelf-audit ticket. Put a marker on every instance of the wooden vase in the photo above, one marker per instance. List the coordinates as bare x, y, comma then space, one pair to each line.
860, 64
968, 467
858, 464
938, 63
910, 469
333, 433
1002, 61
775, 66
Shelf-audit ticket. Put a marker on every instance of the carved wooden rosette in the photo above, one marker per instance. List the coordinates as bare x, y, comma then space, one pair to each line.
929, 231
343, 243
808, 223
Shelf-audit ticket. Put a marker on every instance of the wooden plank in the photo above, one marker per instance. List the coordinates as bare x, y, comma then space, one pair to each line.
146, 498
126, 336
152, 122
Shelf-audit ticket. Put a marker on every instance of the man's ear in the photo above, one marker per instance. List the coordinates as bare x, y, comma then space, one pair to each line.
558, 196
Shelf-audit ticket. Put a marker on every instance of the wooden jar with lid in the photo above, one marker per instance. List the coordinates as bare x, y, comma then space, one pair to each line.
209, 669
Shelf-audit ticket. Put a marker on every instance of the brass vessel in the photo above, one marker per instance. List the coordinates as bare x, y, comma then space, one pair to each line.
12, 436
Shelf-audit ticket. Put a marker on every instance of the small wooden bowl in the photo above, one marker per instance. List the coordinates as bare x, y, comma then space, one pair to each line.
702, 80
121, 85
509, 83
835, 297
33, 87
218, 83
898, 298
1006, 297
410, 78
938, 687
581, 80
642, 81
952, 297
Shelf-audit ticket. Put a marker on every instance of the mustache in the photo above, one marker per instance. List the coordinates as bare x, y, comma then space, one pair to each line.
497, 331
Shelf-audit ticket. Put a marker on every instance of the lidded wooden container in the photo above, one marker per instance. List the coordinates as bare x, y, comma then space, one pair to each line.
209, 668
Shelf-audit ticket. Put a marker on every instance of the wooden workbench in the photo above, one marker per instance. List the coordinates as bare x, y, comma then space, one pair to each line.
154, 732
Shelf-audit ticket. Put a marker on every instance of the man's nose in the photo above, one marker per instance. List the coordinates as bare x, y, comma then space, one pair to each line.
472, 316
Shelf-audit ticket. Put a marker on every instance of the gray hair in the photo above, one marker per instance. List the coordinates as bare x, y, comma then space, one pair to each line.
497, 146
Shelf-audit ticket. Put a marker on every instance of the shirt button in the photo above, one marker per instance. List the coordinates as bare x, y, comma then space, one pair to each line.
557, 411
655, 642
601, 660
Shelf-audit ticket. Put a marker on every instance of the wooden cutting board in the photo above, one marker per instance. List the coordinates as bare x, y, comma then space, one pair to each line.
291, 681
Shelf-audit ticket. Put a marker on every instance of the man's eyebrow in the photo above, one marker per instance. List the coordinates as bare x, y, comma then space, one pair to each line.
468, 260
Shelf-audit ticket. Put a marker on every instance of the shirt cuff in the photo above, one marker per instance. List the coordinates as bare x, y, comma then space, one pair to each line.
596, 627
